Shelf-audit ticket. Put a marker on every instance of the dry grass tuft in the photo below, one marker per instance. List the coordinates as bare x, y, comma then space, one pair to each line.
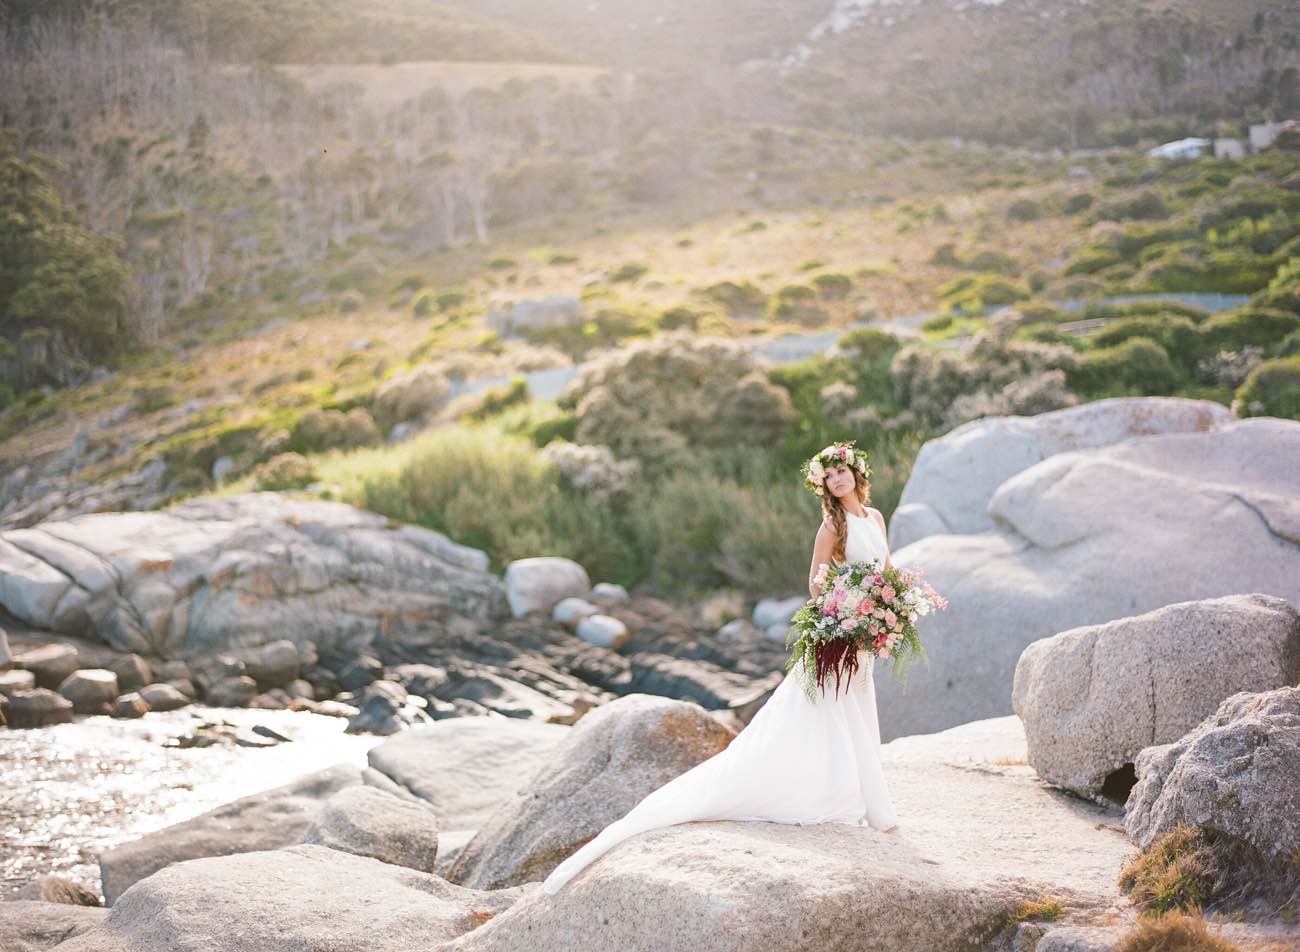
1175, 932
1044, 907
1177, 871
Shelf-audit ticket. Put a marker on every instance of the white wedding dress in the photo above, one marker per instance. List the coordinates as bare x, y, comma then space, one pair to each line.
798, 761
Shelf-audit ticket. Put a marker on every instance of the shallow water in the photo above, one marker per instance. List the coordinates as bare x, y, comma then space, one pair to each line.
69, 791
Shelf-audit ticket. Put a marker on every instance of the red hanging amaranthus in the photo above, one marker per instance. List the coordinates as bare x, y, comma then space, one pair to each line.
838, 656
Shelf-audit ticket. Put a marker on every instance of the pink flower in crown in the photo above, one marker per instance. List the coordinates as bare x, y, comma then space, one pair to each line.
879, 579
865, 606
887, 595
848, 624
890, 618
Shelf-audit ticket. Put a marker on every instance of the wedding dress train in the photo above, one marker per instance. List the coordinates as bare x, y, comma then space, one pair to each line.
798, 761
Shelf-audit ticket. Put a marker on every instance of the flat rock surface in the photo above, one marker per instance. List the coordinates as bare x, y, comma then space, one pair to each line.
979, 833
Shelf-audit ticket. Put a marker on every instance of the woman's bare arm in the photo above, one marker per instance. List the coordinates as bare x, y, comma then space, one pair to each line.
823, 545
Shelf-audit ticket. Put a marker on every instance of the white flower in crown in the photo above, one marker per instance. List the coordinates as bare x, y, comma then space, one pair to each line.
837, 454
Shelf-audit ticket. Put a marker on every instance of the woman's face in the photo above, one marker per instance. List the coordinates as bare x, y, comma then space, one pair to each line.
839, 480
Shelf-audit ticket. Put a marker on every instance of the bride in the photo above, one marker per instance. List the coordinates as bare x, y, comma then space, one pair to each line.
799, 760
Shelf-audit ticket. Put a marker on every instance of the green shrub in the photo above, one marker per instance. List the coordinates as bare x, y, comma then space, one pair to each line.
497, 400
739, 299
1145, 204
1271, 389
1024, 209
945, 256
833, 286
1090, 259
1137, 366
1262, 327
423, 303
350, 301
971, 294
318, 430
501, 264
940, 322
284, 471
628, 271
1178, 335
994, 261
676, 317
1079, 202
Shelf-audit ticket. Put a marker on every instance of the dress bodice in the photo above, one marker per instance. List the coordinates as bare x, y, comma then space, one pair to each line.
865, 540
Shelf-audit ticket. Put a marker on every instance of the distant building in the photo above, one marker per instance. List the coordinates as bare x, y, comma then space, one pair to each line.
1229, 148
1188, 148
1262, 135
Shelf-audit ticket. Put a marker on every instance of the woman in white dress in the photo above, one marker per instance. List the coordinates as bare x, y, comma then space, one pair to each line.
799, 760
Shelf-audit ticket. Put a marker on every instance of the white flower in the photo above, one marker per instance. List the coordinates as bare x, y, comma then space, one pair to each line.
816, 471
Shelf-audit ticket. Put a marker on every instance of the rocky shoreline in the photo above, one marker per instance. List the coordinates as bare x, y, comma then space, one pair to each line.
1110, 730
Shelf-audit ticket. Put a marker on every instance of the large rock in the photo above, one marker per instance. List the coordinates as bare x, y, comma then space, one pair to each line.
304, 897
538, 584
50, 664
369, 822
954, 476
16, 680
91, 690
1237, 773
163, 697
1086, 537
467, 767
1091, 698
233, 572
263, 821
27, 925
553, 311
6, 654
37, 708
614, 756
979, 834
273, 665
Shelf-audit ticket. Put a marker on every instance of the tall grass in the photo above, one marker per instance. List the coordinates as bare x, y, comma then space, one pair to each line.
727, 520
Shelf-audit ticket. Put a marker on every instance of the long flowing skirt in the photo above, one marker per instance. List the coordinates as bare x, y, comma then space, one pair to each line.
798, 761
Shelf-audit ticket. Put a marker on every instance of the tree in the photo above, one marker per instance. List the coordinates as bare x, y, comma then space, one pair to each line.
57, 278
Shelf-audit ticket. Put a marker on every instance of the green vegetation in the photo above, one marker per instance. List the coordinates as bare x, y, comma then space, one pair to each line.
64, 290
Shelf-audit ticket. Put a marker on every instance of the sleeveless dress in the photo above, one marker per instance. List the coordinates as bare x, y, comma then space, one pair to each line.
798, 761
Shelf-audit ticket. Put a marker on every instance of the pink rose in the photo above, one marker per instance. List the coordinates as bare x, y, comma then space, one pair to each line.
883, 652
888, 595
844, 452
849, 623
890, 618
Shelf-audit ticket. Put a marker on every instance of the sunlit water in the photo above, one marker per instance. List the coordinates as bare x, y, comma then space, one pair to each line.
67, 792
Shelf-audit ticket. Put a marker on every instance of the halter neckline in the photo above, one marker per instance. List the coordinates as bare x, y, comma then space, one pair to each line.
852, 515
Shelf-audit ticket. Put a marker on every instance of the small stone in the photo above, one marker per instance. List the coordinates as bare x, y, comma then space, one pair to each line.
130, 705
62, 890
163, 697
232, 692
269, 702
301, 688
360, 673
186, 687
570, 611
208, 671
604, 630
610, 593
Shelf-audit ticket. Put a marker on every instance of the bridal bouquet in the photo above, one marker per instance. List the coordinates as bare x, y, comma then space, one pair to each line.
862, 605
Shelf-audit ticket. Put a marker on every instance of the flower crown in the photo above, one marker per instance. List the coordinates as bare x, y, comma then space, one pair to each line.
843, 453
